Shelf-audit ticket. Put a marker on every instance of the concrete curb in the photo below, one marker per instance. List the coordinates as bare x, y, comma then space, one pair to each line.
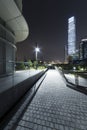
79, 88
21, 106
11, 96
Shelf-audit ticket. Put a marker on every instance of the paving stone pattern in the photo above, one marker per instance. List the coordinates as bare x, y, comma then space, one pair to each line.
55, 107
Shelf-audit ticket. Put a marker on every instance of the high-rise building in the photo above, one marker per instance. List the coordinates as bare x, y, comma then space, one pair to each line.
13, 29
71, 36
83, 49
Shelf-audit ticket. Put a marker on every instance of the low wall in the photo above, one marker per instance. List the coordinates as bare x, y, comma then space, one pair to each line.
10, 97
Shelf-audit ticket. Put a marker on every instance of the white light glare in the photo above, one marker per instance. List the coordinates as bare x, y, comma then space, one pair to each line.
37, 49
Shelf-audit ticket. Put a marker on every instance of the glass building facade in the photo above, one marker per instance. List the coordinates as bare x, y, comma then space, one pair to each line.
71, 36
7, 49
83, 49
13, 29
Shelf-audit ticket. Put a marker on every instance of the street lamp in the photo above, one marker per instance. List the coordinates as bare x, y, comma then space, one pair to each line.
36, 52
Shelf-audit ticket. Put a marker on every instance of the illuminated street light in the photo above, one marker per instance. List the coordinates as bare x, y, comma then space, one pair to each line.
74, 68
36, 52
37, 49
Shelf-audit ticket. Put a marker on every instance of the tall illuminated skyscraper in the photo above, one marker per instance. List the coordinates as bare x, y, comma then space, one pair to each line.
71, 36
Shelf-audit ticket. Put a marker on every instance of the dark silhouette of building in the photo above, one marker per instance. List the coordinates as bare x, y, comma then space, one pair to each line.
83, 49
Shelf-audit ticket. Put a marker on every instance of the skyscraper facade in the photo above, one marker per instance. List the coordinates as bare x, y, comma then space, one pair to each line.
71, 36
83, 49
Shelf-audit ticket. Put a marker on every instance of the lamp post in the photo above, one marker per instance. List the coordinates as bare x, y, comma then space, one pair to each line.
36, 52
37, 49
76, 77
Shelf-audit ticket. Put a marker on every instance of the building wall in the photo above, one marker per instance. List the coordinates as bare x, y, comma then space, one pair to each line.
83, 50
7, 50
13, 29
19, 4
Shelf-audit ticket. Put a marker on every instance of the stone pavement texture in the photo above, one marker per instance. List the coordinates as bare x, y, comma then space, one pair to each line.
55, 107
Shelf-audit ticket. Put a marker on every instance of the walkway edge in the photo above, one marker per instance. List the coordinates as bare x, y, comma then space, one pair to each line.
79, 88
10, 97
25, 101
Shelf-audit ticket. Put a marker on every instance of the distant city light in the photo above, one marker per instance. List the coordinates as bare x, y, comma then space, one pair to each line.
74, 68
84, 40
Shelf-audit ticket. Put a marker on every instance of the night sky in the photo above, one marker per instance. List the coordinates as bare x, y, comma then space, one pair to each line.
48, 24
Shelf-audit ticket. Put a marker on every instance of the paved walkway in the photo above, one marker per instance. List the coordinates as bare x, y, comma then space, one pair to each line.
55, 107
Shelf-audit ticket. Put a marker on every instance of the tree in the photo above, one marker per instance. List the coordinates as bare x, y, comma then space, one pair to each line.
35, 64
30, 63
20, 66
